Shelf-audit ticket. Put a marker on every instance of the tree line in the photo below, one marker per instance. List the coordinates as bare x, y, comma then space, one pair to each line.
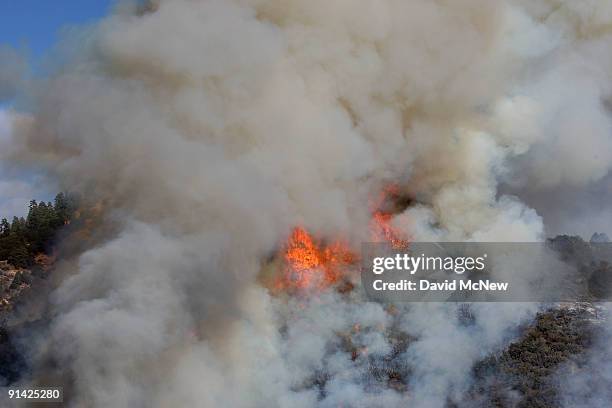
23, 238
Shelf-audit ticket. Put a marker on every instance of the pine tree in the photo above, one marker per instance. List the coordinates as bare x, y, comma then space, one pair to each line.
22, 239
14, 246
65, 205
5, 228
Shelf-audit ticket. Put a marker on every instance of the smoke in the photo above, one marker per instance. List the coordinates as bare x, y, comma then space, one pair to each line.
13, 72
589, 385
17, 187
210, 128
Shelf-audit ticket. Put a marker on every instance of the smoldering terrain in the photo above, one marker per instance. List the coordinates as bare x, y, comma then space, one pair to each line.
205, 135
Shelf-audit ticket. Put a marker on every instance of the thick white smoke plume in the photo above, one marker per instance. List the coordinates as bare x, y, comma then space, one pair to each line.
209, 128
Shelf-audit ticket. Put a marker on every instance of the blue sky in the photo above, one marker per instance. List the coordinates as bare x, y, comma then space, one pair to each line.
34, 24
32, 27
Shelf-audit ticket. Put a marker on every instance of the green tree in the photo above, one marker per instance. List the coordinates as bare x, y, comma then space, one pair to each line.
23, 238
5, 228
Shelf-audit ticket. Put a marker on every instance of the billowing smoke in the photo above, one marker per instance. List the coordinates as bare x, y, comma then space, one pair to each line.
589, 386
209, 129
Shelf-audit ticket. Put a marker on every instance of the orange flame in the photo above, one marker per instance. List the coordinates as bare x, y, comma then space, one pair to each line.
312, 264
383, 230
381, 224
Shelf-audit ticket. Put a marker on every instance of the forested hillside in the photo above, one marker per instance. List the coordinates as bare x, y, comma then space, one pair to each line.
23, 238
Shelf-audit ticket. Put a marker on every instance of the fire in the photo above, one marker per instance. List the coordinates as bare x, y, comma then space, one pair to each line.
382, 217
383, 230
313, 264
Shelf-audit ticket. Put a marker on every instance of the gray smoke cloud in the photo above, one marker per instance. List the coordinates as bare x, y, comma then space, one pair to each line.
210, 128
588, 385
13, 72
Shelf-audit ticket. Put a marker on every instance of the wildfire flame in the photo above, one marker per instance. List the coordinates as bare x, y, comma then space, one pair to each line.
381, 224
311, 263
383, 230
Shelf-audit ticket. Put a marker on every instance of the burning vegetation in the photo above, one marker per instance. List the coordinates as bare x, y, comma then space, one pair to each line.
521, 373
313, 263
388, 203
218, 134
